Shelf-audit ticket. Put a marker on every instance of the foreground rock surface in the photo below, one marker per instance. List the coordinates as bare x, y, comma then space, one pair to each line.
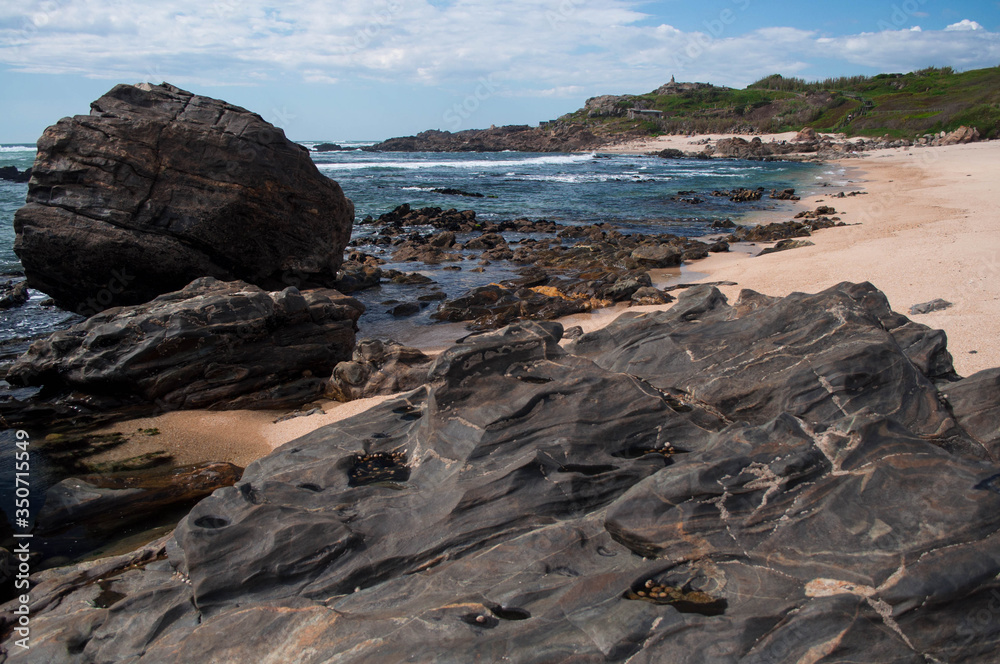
212, 344
158, 186
769, 481
378, 367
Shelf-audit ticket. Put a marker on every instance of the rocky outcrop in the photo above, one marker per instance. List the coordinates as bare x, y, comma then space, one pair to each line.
11, 174
771, 481
212, 344
520, 138
806, 134
158, 186
961, 135
784, 230
378, 367
13, 295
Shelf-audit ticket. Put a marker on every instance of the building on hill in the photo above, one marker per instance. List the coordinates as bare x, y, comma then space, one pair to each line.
643, 113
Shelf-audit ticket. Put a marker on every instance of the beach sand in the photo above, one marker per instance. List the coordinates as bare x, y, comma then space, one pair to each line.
928, 228
236, 436
687, 143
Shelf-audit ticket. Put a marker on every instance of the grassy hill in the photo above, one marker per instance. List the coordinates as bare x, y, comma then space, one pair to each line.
900, 105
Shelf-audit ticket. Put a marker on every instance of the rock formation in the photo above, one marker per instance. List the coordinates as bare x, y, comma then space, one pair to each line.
158, 186
378, 367
212, 344
13, 295
11, 174
520, 138
778, 480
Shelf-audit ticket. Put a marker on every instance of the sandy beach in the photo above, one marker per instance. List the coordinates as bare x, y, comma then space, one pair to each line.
926, 229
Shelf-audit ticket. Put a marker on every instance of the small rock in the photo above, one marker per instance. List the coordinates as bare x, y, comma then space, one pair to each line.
928, 307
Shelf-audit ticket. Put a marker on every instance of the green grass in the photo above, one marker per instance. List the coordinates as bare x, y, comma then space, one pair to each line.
905, 105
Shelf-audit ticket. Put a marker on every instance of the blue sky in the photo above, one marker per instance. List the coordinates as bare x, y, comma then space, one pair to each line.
371, 69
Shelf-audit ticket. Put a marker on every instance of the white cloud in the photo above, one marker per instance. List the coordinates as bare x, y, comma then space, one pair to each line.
964, 24
559, 48
907, 50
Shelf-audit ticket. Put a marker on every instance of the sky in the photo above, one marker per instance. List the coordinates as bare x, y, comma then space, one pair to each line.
371, 69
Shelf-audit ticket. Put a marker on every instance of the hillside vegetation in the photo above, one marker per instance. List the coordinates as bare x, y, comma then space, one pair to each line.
898, 105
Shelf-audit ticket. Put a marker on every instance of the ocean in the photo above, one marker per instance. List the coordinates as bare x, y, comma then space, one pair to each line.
632, 192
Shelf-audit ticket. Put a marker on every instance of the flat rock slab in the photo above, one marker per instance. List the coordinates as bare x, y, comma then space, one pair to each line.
770, 481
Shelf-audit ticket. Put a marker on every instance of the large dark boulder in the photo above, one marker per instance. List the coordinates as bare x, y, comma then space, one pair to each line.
158, 186
212, 344
792, 488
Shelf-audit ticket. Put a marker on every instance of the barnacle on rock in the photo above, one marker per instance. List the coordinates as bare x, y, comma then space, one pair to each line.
684, 599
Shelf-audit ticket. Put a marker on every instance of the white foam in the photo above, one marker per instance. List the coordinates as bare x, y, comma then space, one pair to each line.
593, 177
469, 164
17, 148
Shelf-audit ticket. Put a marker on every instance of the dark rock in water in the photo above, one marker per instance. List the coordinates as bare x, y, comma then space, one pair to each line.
405, 309
929, 307
449, 191
354, 277
741, 195
494, 306
157, 187
378, 367
328, 147
671, 153
784, 195
13, 295
102, 505
11, 174
211, 345
521, 138
772, 481
409, 278
444, 239
776, 231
